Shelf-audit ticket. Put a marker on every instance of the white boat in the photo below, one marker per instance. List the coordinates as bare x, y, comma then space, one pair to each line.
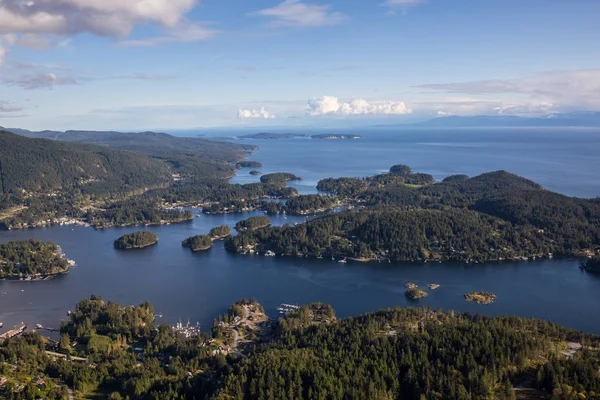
343, 261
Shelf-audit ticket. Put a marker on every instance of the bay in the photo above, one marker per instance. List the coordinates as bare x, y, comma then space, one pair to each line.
183, 285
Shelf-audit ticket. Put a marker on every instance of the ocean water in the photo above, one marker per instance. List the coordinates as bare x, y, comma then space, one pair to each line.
561, 160
183, 285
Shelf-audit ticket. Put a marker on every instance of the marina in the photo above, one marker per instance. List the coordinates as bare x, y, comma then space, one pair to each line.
188, 330
287, 308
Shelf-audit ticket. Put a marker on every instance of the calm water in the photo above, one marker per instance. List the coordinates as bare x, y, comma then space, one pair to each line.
184, 285
565, 161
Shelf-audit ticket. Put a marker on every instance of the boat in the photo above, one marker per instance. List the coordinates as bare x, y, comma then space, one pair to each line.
1, 324
343, 261
39, 326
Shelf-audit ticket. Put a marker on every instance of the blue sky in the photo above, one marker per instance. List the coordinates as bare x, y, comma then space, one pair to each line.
175, 64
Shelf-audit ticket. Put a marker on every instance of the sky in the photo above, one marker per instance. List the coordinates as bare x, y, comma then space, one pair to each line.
184, 64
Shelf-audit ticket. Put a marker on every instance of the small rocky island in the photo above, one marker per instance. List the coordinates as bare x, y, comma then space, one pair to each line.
414, 293
480, 297
32, 260
137, 240
255, 172
198, 243
433, 286
252, 224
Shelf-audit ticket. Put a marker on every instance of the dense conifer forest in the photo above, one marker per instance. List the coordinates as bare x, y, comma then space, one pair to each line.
118, 352
31, 258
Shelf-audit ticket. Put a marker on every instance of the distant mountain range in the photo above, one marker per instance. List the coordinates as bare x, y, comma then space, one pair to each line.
575, 119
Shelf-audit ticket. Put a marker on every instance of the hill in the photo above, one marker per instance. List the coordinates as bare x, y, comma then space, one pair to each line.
191, 157
410, 353
45, 166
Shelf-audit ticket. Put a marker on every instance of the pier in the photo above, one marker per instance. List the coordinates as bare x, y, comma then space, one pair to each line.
13, 332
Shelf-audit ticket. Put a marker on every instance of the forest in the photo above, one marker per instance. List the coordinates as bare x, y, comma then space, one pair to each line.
136, 212
136, 240
31, 258
397, 353
219, 232
252, 224
198, 243
491, 217
45, 166
279, 178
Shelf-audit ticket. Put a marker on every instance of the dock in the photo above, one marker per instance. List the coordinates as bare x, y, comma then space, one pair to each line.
13, 332
287, 308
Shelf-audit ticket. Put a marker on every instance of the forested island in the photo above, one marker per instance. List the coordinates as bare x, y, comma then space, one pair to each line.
220, 232
32, 260
403, 216
336, 136
198, 243
137, 240
279, 178
252, 224
119, 352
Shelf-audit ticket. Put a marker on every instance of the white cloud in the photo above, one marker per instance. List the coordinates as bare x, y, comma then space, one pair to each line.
571, 89
529, 109
298, 14
255, 114
330, 105
444, 113
44, 23
184, 33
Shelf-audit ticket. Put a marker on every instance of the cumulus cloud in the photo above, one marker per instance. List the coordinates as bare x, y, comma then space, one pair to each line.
330, 105
572, 89
531, 109
296, 13
40, 23
255, 114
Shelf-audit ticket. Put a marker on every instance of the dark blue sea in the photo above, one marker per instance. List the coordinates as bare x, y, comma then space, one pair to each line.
198, 287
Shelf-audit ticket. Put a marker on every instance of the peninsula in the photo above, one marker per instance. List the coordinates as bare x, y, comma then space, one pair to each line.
252, 224
137, 240
32, 260
309, 342
405, 216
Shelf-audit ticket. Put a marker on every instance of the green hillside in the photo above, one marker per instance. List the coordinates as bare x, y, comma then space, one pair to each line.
43, 166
